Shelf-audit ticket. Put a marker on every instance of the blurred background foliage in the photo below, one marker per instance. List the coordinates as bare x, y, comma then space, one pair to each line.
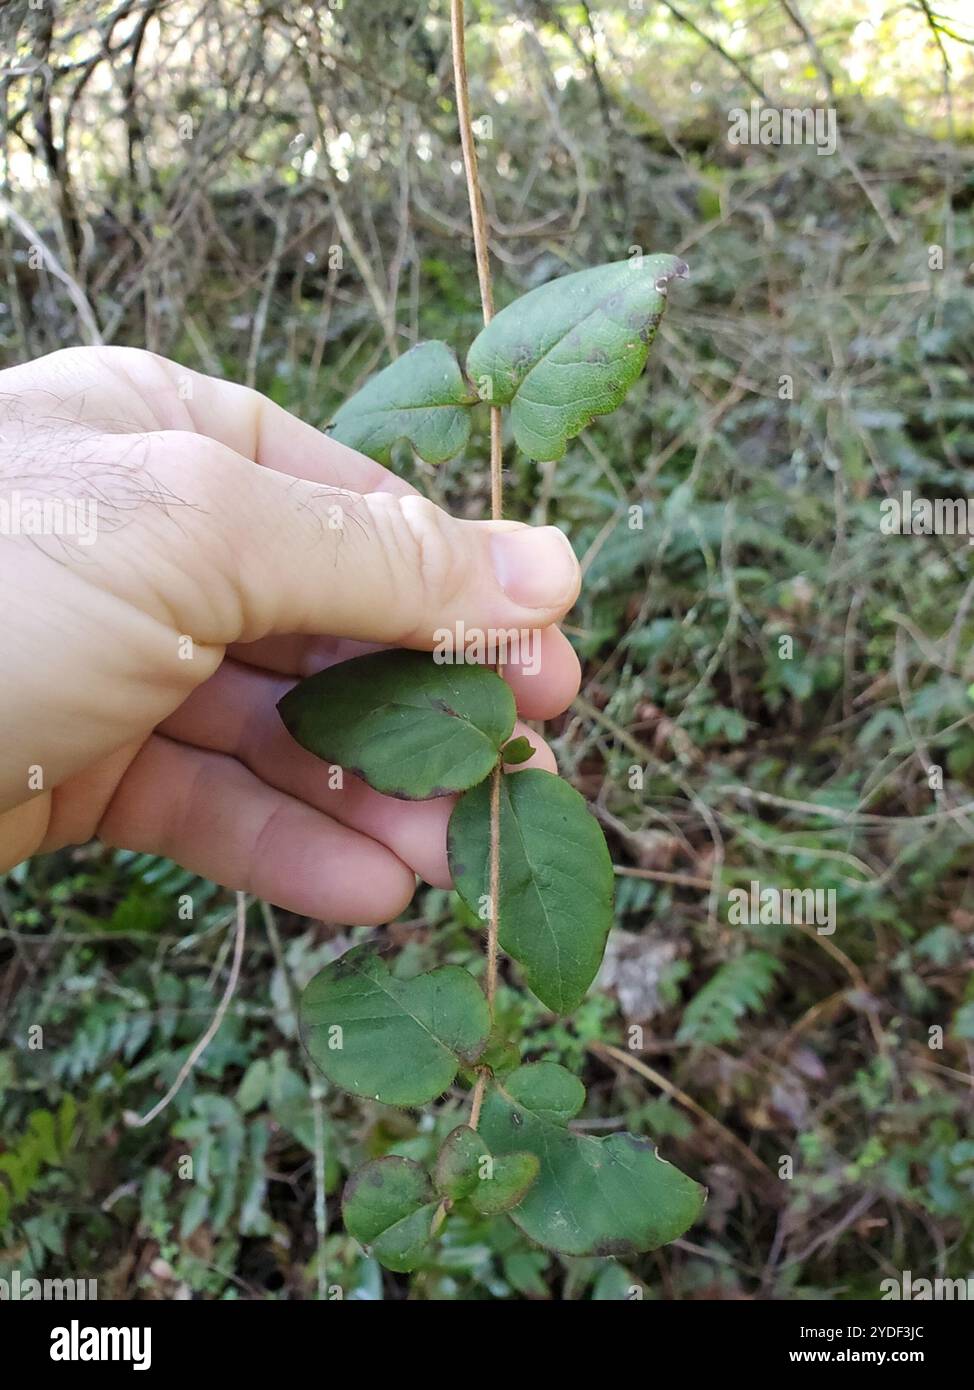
273, 192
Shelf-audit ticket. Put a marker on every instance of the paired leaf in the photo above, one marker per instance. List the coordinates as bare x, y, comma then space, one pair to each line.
499, 1056
389, 1206
550, 1091
560, 356
570, 350
457, 1163
396, 1041
510, 1178
410, 727
466, 1169
519, 750
422, 397
556, 887
609, 1196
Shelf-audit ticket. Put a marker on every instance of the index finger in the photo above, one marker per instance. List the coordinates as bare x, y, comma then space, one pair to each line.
250, 424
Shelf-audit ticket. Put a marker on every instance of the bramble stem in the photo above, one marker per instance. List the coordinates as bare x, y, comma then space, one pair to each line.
477, 218
490, 983
478, 1098
478, 224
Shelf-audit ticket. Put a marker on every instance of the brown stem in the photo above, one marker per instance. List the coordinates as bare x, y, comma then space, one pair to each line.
494, 887
478, 1098
478, 224
477, 219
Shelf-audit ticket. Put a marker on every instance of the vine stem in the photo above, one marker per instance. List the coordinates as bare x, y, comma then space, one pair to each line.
478, 223
240, 934
477, 219
317, 1094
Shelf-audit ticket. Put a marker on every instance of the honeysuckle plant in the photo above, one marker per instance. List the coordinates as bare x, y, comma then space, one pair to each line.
415, 728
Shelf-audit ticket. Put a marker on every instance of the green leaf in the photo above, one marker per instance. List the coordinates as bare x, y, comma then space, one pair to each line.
388, 1205
517, 751
66, 1116
556, 887
19, 1173
40, 1125
194, 1212
465, 1168
289, 1101
421, 397
400, 1042
742, 983
457, 1164
605, 1196
252, 1090
550, 1091
614, 1284
511, 1175
408, 726
570, 350
500, 1055
523, 1270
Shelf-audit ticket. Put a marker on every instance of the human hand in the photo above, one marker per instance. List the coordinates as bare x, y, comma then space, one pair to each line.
142, 669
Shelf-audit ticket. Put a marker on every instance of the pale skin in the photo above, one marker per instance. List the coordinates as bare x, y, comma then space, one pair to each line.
216, 514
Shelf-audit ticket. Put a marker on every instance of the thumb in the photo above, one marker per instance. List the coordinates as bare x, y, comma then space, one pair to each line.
258, 552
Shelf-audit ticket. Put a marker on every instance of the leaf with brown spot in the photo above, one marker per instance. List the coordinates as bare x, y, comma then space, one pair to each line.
592, 1196
409, 726
571, 349
397, 1041
388, 1205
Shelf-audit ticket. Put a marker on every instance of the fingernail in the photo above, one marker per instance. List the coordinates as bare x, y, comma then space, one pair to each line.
536, 566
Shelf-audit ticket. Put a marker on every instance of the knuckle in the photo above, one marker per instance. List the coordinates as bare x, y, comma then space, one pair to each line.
439, 563
192, 544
